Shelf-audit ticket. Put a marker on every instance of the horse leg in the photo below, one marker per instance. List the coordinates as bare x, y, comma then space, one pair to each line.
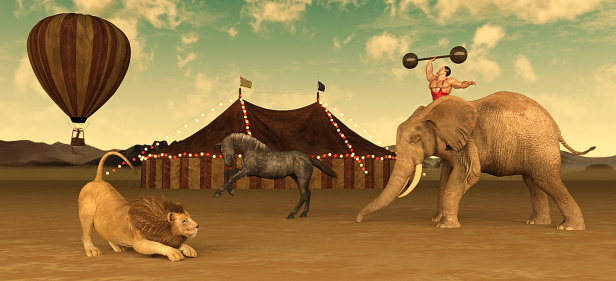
303, 183
228, 174
305, 191
307, 206
302, 198
240, 174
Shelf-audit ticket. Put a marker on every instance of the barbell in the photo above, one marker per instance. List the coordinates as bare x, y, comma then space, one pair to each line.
457, 55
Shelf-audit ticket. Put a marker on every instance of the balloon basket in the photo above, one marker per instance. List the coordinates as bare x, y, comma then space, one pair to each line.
77, 139
78, 142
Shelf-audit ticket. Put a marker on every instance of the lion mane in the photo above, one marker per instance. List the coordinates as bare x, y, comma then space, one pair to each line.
149, 215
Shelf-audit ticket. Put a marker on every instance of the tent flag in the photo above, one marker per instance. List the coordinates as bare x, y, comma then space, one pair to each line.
245, 82
321, 87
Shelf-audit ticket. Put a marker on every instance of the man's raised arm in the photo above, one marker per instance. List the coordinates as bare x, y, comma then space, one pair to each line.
429, 75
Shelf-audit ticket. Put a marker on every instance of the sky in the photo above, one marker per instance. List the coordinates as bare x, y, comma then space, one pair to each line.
187, 57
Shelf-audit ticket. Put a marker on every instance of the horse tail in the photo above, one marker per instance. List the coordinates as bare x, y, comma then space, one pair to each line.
321, 166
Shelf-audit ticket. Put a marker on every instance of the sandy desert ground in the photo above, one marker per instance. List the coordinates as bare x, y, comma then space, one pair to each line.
246, 237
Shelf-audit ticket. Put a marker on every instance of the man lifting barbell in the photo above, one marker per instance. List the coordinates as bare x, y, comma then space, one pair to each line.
457, 55
447, 84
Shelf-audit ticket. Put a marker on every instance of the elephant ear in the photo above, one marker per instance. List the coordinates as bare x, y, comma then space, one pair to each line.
418, 111
454, 119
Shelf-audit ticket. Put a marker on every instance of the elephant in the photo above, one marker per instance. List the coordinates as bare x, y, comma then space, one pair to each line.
501, 134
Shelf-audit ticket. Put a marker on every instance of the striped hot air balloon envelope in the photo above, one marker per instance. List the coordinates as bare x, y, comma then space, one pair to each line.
79, 60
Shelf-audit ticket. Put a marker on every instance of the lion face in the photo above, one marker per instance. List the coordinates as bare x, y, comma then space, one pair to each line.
183, 225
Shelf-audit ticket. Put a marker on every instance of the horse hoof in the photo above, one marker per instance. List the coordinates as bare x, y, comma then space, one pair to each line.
231, 191
290, 217
216, 195
304, 216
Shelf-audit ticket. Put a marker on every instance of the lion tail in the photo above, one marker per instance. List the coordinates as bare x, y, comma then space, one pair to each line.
99, 171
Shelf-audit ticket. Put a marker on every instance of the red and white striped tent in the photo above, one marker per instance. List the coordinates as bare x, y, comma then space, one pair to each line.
196, 163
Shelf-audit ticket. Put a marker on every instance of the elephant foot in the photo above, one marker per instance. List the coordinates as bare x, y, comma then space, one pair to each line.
448, 223
570, 225
437, 217
539, 220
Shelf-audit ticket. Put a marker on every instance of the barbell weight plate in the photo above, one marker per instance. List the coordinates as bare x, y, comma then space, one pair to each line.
458, 54
410, 60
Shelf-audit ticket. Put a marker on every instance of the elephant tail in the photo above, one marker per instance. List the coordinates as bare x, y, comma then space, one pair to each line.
562, 140
321, 166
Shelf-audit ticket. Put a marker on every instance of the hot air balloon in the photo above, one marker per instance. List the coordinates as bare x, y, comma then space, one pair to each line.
80, 61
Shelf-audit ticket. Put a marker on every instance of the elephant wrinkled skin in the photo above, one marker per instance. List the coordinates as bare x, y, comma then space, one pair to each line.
502, 134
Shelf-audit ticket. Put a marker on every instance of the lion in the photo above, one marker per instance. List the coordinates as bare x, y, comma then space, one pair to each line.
150, 225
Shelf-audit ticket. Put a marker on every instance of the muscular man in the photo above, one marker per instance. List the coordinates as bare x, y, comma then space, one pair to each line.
440, 85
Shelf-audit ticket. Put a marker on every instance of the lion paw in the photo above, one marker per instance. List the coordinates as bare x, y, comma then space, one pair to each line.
174, 255
93, 252
188, 251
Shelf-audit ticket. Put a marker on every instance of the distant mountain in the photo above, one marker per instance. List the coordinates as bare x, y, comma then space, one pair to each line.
28, 153
24, 153
569, 161
131, 153
576, 162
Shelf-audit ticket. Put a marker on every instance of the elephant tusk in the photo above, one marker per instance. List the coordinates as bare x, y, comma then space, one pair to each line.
415, 181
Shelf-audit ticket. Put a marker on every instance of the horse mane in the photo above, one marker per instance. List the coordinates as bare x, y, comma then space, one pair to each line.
246, 142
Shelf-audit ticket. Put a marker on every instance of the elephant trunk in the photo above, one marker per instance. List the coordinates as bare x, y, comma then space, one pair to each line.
395, 184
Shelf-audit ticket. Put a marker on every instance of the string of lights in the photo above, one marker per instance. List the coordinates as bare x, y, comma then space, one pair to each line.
360, 129
145, 156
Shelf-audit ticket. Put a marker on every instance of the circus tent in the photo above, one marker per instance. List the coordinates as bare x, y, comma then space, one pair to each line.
195, 162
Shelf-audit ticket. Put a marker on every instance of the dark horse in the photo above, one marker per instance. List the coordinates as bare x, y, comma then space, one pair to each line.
260, 161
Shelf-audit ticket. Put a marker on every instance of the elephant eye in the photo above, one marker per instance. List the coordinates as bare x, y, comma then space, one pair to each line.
415, 138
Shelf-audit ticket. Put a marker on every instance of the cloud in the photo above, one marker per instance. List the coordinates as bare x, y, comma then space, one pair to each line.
25, 79
536, 12
92, 7
485, 39
443, 42
524, 69
488, 36
189, 58
286, 12
25, 7
400, 73
386, 47
421, 4
189, 38
232, 32
343, 3
485, 68
160, 13
338, 44
140, 58
215, 88
186, 41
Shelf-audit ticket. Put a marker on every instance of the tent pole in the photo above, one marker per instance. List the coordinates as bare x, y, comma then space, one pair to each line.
240, 96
